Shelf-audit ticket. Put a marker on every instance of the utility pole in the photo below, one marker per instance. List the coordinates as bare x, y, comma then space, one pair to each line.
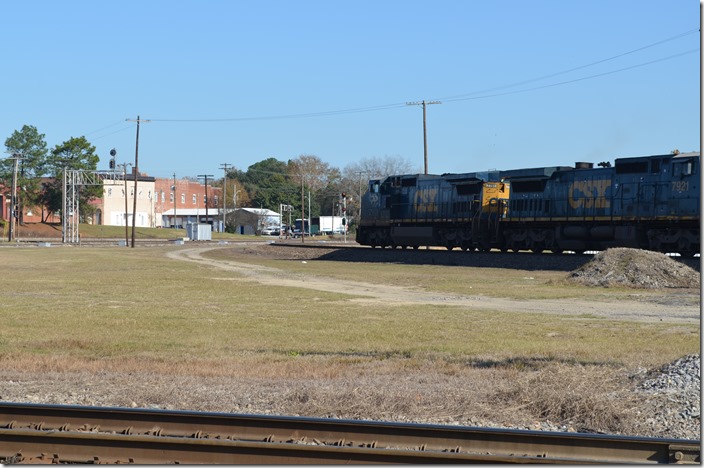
136, 176
124, 178
425, 135
174, 190
224, 167
303, 213
13, 196
205, 176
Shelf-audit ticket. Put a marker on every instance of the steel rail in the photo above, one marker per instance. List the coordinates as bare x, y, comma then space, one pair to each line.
55, 433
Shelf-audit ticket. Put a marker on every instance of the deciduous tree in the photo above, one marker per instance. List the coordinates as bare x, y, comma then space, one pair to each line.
74, 154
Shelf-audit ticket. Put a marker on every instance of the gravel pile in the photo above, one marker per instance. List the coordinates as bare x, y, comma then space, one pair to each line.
673, 395
635, 269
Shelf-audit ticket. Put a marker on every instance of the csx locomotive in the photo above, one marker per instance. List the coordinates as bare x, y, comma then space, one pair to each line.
649, 203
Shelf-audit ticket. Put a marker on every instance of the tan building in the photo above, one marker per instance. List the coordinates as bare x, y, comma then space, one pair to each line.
117, 204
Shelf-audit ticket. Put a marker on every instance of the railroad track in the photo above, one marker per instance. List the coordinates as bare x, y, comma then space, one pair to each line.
36, 434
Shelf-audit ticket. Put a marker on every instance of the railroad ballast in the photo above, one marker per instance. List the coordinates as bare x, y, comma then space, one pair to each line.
649, 202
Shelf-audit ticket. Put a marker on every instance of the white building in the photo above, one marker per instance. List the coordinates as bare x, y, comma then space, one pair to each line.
185, 216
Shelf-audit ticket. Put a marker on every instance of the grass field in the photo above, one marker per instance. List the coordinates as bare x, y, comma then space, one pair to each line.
110, 307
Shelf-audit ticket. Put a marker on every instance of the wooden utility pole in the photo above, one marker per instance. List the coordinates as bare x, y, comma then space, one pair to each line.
136, 176
205, 176
425, 135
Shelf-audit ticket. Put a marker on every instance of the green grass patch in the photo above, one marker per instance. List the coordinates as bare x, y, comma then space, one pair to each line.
116, 303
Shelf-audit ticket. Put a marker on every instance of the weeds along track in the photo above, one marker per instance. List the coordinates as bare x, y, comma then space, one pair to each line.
35, 434
375, 293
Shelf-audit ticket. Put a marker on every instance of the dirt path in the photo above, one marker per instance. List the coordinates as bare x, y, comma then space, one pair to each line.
372, 293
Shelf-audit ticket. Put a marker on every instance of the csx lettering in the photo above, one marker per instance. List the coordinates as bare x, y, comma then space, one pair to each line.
589, 194
680, 186
425, 200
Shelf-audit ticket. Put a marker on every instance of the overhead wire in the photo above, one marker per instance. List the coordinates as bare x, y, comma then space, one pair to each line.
611, 72
563, 72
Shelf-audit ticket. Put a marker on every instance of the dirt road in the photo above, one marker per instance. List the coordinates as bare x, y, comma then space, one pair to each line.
373, 293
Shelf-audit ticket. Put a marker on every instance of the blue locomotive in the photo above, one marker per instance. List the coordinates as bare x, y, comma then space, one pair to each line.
650, 203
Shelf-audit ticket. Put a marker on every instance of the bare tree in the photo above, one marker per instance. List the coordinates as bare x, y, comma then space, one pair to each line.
378, 167
355, 177
318, 174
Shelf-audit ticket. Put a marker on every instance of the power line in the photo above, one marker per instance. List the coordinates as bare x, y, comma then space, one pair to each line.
290, 116
465, 96
563, 72
574, 80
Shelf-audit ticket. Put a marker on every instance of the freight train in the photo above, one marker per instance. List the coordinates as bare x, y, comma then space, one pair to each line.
649, 202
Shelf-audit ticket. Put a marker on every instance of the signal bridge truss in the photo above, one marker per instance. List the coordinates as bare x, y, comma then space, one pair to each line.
70, 213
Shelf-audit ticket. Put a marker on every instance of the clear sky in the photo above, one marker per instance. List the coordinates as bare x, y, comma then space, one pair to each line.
522, 83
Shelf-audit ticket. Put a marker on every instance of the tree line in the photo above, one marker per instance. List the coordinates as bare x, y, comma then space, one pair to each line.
305, 180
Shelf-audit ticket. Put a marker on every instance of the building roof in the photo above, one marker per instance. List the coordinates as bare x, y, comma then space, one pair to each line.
191, 212
260, 211
216, 211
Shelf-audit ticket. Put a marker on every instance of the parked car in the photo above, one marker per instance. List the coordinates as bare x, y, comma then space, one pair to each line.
271, 231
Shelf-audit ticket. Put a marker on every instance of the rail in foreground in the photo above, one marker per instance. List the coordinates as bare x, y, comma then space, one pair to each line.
75, 434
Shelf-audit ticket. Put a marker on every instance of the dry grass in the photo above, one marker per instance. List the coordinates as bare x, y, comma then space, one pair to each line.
135, 312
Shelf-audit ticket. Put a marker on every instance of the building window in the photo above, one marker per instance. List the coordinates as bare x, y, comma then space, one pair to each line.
216, 200
163, 196
109, 192
195, 199
171, 197
183, 198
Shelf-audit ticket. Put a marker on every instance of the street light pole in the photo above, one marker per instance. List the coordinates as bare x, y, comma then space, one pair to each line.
224, 195
425, 135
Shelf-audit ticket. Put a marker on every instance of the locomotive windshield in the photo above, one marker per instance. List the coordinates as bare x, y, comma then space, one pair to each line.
683, 168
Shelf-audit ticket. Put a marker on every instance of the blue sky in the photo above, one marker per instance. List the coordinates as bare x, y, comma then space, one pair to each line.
237, 82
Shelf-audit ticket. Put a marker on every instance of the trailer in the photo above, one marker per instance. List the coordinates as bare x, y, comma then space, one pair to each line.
327, 225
